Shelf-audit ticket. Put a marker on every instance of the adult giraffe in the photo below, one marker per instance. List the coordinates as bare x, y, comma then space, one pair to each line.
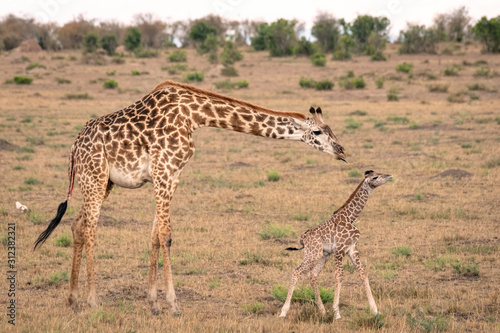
151, 141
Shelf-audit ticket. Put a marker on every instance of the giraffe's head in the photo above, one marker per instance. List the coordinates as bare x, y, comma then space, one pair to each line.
374, 179
319, 135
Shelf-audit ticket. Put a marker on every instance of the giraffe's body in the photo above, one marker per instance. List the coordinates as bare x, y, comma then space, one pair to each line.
151, 141
336, 237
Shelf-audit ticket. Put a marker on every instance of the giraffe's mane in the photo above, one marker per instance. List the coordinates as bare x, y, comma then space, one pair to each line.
229, 99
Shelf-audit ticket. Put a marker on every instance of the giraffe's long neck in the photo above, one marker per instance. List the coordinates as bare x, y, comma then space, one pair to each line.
356, 202
213, 110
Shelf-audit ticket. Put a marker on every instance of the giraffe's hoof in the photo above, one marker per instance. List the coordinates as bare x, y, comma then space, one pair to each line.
155, 310
177, 314
338, 317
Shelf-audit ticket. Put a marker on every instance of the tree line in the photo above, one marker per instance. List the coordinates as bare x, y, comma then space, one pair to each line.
364, 35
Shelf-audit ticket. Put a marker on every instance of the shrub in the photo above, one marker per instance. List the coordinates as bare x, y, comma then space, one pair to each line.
442, 88
135, 72
306, 47
195, 76
110, 84
141, 52
78, 96
272, 231
226, 84
229, 71
392, 97
323, 85
280, 37
488, 32
90, 42
109, 43
318, 59
178, 56
379, 82
23, 80
118, 60
307, 83
341, 55
133, 39
230, 54
378, 56
451, 71
398, 119
62, 81
175, 68
418, 39
242, 84
483, 71
35, 65
404, 67
273, 176
352, 83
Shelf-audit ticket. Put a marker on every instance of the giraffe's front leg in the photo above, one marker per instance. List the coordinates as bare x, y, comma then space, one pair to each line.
313, 277
304, 267
354, 256
339, 272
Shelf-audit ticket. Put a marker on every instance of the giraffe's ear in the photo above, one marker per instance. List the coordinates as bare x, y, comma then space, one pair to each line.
368, 172
318, 110
311, 109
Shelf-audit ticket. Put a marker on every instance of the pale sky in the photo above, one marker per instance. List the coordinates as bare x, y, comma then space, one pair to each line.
398, 11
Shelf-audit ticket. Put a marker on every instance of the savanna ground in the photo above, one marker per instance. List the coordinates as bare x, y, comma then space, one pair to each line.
429, 239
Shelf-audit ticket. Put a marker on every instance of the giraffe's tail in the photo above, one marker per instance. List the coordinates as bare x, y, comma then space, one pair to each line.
62, 207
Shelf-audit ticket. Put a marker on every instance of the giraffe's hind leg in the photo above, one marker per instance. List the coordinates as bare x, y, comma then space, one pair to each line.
153, 269
313, 277
78, 242
339, 273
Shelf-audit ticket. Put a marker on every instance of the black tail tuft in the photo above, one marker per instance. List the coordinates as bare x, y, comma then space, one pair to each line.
294, 248
52, 225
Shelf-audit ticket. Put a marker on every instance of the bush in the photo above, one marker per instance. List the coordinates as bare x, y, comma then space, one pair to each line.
133, 39
349, 83
109, 43
23, 80
178, 56
452, 71
307, 83
488, 32
110, 84
378, 56
195, 76
404, 67
78, 96
35, 65
230, 54
141, 52
442, 88
318, 59
306, 47
90, 42
272, 231
418, 39
229, 71
62, 81
242, 84
323, 85
341, 55
379, 82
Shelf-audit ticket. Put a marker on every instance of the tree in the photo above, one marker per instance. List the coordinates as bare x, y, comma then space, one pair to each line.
259, 41
364, 25
109, 43
71, 34
488, 32
418, 39
200, 30
280, 38
90, 42
327, 32
151, 28
458, 22
133, 39
230, 54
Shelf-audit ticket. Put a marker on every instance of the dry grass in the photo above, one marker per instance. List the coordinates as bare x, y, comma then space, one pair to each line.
224, 270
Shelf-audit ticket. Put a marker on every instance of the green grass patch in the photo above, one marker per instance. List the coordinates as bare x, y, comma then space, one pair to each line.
178, 56
78, 96
404, 67
401, 251
229, 71
441, 88
379, 82
59, 277
351, 123
354, 173
22, 79
273, 176
302, 294
307, 83
255, 308
63, 241
33, 65
60, 80
31, 181
469, 268
195, 76
110, 84
273, 231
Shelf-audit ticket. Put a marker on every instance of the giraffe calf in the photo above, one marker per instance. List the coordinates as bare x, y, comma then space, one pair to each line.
336, 236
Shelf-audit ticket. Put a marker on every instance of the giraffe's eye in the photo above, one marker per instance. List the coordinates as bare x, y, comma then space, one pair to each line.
375, 178
317, 132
